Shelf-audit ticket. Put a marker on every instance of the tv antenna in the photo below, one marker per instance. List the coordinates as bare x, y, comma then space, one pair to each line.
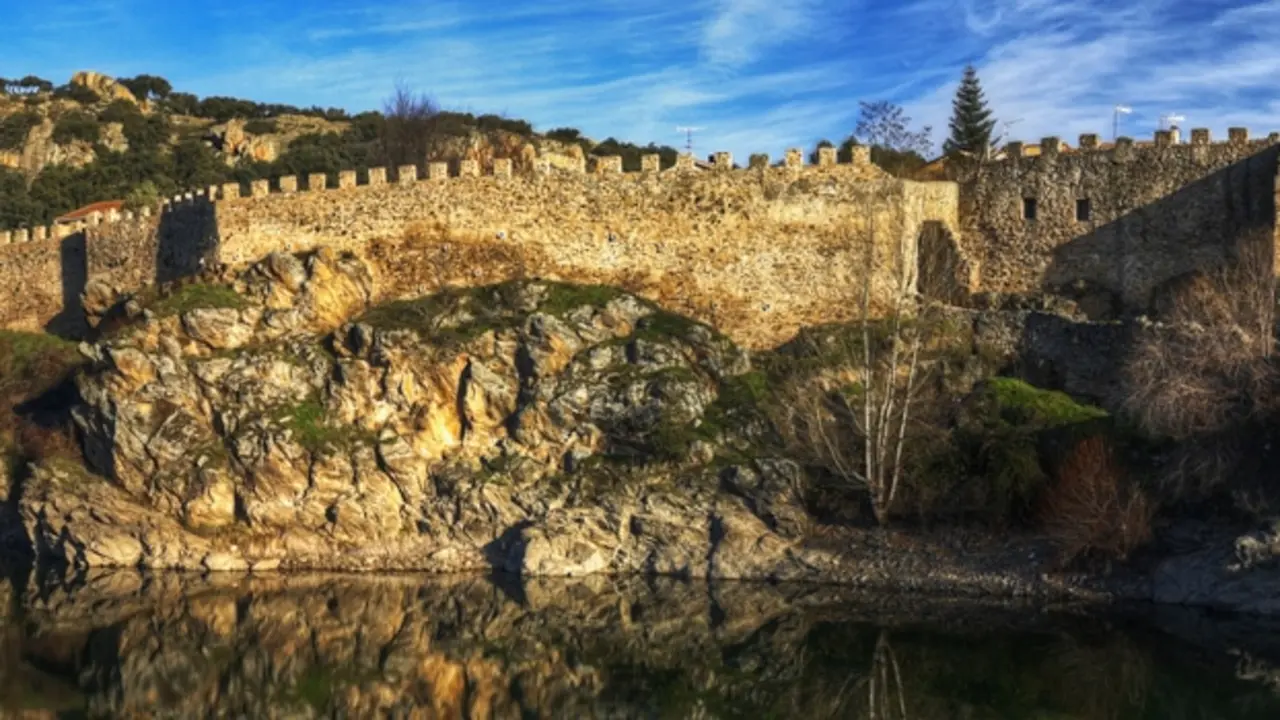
1115, 120
688, 137
1004, 133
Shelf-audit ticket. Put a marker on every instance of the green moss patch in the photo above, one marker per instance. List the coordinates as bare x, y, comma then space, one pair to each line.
197, 296
563, 298
1020, 401
33, 362
307, 420
455, 315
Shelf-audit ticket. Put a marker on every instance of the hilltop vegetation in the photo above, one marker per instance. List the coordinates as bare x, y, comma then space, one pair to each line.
95, 138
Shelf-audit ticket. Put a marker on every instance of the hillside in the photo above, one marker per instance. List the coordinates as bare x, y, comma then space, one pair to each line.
98, 138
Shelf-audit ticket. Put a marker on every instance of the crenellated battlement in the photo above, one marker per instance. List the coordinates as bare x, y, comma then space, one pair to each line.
726, 244
758, 251
1163, 144
604, 166
1117, 221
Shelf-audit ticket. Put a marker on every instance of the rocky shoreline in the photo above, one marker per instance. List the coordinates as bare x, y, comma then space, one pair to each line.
285, 421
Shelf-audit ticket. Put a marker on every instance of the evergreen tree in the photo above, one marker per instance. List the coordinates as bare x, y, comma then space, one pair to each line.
971, 121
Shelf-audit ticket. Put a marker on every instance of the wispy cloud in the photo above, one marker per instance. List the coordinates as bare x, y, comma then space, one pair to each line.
738, 31
758, 75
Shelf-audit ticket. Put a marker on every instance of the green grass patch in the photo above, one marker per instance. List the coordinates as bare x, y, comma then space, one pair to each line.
663, 325
437, 316
563, 298
196, 296
33, 362
307, 420
1022, 402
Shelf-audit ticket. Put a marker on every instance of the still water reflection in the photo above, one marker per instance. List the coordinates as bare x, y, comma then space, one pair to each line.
401, 646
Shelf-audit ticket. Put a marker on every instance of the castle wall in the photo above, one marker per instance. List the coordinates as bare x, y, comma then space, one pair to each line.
758, 253
1155, 213
41, 281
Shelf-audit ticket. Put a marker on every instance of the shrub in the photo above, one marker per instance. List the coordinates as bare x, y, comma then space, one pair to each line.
36, 443
143, 195
74, 126
991, 464
14, 129
119, 111
1207, 378
260, 126
1091, 509
77, 93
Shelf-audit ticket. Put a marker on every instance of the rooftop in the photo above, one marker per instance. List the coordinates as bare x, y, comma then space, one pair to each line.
103, 206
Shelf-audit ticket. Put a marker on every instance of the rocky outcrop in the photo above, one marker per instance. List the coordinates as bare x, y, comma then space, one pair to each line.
530, 427
105, 87
512, 427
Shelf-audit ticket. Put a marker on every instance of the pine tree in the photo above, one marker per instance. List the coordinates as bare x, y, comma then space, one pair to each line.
971, 121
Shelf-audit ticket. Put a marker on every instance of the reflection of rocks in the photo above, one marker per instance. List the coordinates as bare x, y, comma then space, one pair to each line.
123, 644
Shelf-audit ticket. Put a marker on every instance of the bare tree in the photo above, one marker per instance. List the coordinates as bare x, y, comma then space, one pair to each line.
409, 130
852, 421
886, 694
885, 125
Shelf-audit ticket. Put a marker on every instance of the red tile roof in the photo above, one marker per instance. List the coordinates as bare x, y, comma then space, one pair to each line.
103, 206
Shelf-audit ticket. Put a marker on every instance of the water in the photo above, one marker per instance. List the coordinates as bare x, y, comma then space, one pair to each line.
409, 646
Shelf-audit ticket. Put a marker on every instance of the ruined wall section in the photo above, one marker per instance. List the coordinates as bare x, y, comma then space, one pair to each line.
1122, 222
758, 253
47, 271
35, 287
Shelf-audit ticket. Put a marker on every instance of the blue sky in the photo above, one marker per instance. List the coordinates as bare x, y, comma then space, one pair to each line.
757, 75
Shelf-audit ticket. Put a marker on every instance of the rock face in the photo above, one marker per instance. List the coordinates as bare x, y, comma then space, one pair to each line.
532, 427
105, 87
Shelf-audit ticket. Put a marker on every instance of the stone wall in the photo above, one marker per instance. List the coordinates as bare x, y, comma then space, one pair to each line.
46, 271
41, 281
1153, 213
758, 253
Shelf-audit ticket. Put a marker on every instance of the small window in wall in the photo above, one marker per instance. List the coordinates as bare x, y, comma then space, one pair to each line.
1084, 210
1029, 208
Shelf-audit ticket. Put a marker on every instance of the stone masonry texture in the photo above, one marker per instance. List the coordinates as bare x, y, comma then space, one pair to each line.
757, 253
1123, 222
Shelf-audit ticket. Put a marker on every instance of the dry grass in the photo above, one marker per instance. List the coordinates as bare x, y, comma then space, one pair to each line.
1091, 509
1209, 371
1210, 365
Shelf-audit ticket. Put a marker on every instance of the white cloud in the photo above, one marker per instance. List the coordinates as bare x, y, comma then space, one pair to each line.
1060, 70
738, 30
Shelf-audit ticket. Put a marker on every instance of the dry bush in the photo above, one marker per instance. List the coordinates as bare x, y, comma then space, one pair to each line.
37, 443
1092, 508
1210, 364
1208, 372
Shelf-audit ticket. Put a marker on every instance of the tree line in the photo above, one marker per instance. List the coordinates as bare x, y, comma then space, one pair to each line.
164, 157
